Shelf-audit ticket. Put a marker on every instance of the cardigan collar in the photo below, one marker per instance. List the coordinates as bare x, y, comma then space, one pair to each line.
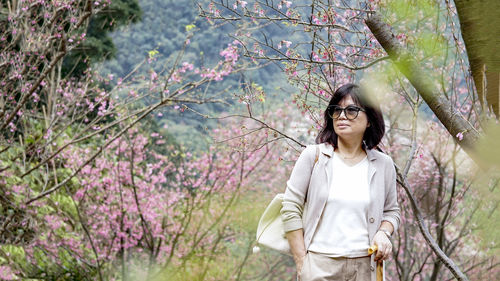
327, 149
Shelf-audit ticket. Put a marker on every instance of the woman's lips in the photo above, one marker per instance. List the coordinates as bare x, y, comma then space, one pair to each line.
342, 125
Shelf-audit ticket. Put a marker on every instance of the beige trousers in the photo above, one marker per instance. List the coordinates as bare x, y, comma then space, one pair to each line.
317, 267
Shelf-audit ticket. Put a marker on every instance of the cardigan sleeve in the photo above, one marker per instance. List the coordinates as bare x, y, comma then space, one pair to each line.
392, 212
296, 190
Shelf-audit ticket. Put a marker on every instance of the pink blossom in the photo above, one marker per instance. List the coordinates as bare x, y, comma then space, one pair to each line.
287, 43
230, 54
154, 75
6, 273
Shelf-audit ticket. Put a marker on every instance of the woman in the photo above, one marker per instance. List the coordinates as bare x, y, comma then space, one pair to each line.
336, 208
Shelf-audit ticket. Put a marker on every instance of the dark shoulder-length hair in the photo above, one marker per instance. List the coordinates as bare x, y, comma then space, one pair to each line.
373, 133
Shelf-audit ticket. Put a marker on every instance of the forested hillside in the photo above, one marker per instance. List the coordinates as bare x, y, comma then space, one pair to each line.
163, 29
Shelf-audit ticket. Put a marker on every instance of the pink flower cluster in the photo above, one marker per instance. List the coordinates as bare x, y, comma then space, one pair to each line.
223, 68
230, 54
135, 200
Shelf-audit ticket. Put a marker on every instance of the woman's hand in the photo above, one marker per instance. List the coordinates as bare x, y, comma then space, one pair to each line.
299, 262
384, 246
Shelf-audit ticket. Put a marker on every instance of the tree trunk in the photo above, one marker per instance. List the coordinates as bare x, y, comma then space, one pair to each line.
461, 130
480, 27
453, 121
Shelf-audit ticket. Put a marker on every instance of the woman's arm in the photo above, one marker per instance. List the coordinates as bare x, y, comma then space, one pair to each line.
293, 204
391, 216
296, 241
296, 190
386, 226
392, 212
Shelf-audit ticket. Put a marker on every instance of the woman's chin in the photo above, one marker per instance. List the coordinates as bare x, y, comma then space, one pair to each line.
343, 131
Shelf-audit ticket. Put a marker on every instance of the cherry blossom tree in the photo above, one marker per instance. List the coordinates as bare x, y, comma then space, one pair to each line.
66, 143
86, 192
328, 43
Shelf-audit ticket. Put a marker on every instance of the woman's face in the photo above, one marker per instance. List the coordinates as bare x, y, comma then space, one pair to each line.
346, 128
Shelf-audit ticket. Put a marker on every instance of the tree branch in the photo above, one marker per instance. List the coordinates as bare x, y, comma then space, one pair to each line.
425, 231
453, 121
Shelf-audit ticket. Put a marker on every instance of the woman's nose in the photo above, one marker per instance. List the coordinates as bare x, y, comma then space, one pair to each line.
342, 115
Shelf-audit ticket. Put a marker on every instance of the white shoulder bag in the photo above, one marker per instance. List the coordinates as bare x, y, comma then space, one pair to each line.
271, 231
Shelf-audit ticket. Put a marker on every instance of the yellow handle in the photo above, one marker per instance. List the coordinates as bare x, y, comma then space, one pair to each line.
380, 269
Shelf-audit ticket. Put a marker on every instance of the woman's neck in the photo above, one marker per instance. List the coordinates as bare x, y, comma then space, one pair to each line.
349, 148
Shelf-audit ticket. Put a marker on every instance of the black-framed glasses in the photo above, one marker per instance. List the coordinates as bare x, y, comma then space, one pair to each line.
350, 111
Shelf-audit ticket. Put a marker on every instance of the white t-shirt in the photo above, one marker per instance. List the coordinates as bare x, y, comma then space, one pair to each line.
343, 228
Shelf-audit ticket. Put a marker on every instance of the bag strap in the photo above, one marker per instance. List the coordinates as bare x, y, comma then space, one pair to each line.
314, 165
317, 155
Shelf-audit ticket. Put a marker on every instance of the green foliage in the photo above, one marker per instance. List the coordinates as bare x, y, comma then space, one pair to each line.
98, 45
423, 25
247, 213
189, 27
22, 229
153, 53
487, 222
431, 44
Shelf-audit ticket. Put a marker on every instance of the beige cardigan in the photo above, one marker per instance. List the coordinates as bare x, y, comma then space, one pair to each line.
381, 178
